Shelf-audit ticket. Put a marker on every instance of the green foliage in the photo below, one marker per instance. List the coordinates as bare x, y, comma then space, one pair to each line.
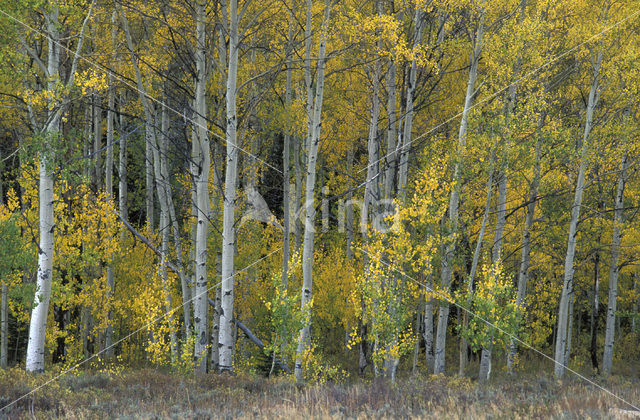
496, 316
286, 316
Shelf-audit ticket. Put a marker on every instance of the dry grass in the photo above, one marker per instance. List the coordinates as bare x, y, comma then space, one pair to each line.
151, 394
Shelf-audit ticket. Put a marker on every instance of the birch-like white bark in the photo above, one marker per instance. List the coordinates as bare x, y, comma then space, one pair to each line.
454, 199
403, 164
607, 359
309, 228
4, 327
567, 287
226, 341
122, 174
525, 256
464, 346
286, 162
200, 298
38, 322
428, 331
111, 102
161, 185
40, 309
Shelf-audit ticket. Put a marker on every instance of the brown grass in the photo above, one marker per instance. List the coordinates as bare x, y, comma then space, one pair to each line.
154, 394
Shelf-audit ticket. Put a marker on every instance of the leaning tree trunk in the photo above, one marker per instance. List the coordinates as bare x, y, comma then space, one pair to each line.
454, 200
226, 340
309, 227
567, 286
613, 269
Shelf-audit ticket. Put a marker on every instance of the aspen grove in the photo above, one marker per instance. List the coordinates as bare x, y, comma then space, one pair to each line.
321, 189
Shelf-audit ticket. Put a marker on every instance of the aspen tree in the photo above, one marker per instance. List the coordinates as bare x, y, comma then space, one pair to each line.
226, 339
50, 131
454, 200
607, 359
562, 347
312, 156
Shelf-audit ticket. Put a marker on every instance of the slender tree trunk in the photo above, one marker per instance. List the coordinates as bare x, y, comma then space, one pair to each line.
164, 197
485, 358
525, 258
40, 309
464, 346
286, 164
607, 359
349, 207
157, 170
148, 198
122, 175
428, 332
200, 299
226, 342
636, 304
390, 167
96, 111
416, 348
567, 286
567, 353
403, 165
594, 313
111, 102
4, 327
215, 328
309, 228
454, 200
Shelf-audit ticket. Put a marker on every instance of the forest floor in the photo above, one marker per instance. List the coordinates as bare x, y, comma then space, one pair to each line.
154, 394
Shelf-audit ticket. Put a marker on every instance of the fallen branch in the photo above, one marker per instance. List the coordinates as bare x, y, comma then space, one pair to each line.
252, 337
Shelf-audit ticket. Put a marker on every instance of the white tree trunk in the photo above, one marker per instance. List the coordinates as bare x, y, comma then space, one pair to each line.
4, 327
390, 167
96, 110
309, 228
636, 304
161, 184
40, 309
403, 165
108, 340
286, 164
428, 333
215, 327
454, 200
567, 286
38, 324
464, 346
122, 175
201, 297
607, 360
525, 257
226, 342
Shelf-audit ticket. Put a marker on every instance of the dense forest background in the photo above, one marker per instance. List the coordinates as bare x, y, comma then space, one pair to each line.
325, 188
